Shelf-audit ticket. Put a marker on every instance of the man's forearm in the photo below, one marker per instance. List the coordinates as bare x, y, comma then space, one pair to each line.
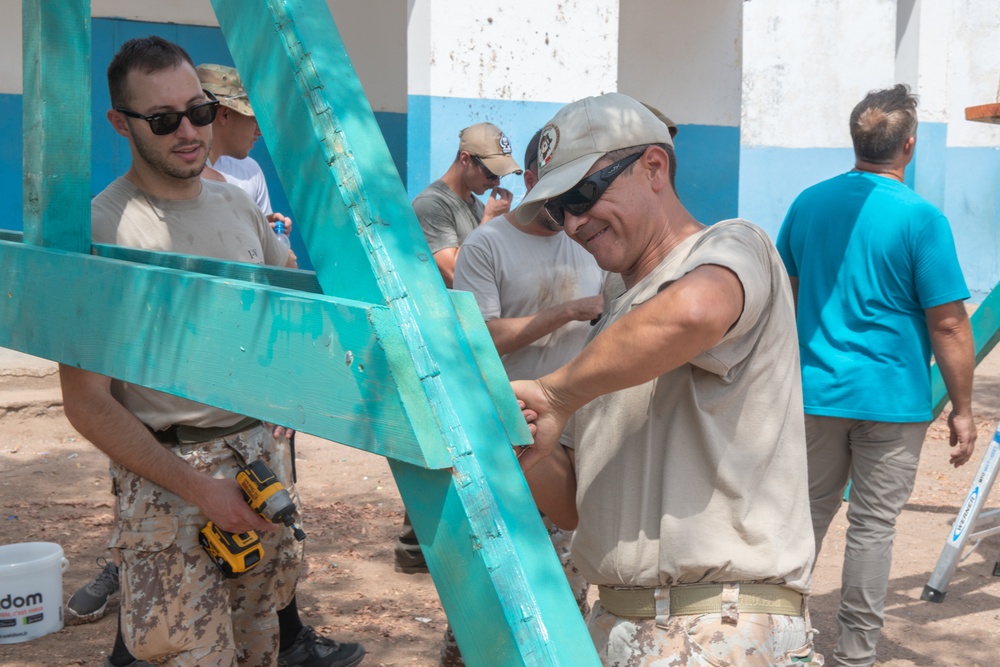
553, 486
445, 260
954, 352
675, 326
513, 333
94, 412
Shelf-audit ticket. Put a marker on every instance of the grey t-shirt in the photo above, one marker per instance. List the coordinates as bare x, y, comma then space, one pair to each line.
516, 274
445, 219
699, 476
221, 222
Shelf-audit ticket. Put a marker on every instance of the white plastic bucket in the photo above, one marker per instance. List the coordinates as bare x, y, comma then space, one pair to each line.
31, 602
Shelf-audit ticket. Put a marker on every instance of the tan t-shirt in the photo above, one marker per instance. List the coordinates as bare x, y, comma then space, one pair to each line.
222, 222
700, 475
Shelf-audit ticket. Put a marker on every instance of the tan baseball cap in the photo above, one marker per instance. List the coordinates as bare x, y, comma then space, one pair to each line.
671, 125
581, 134
488, 143
224, 82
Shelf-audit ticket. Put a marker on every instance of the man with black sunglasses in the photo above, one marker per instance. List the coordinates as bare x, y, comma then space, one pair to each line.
683, 467
448, 209
173, 461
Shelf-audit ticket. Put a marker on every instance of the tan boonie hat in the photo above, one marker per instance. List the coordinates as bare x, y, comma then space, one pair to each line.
489, 144
581, 134
224, 82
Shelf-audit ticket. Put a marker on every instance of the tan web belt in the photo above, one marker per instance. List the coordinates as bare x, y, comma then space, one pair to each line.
179, 434
694, 599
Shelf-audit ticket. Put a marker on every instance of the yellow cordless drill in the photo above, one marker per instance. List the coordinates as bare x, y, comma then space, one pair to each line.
235, 553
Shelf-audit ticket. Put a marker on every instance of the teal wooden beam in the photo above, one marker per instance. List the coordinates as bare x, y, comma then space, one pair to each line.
426, 372
341, 184
56, 105
985, 322
312, 362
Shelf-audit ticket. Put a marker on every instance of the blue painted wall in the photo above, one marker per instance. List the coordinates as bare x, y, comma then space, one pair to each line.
11, 161
771, 178
111, 156
708, 156
708, 170
972, 204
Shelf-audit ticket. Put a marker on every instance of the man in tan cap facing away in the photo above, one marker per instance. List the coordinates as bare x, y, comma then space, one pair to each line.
448, 210
683, 469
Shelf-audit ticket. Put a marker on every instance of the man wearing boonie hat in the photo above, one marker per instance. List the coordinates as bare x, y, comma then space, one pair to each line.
683, 467
234, 133
447, 208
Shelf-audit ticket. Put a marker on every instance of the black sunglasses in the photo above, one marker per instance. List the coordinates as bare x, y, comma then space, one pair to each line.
200, 115
578, 199
490, 176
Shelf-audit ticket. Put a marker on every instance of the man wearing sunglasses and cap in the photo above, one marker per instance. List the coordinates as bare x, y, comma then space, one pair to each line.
683, 467
173, 461
448, 209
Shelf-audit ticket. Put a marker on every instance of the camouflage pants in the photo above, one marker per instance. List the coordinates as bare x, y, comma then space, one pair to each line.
177, 607
706, 640
452, 657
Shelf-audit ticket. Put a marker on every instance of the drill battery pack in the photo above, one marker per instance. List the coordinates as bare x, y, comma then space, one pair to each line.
234, 553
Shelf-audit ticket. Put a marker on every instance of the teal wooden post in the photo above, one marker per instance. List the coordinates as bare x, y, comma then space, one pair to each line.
57, 161
370, 351
985, 333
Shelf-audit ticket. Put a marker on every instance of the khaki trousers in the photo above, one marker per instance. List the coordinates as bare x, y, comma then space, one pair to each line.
880, 459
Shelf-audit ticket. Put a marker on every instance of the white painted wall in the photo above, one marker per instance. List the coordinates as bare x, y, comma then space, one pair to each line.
12, 72
522, 50
683, 57
974, 70
922, 55
807, 63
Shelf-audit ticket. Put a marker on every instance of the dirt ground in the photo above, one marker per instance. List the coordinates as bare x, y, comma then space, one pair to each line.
54, 488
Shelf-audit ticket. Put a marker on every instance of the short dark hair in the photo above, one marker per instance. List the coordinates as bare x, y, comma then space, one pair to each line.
882, 122
147, 54
531, 153
623, 153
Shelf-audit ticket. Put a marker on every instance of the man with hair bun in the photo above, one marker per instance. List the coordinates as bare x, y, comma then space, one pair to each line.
879, 289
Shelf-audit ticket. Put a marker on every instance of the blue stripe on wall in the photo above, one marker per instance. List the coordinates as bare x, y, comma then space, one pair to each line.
926, 173
111, 156
771, 178
972, 204
708, 156
708, 170
11, 161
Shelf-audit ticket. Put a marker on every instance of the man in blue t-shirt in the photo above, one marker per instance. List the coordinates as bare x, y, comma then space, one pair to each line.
878, 288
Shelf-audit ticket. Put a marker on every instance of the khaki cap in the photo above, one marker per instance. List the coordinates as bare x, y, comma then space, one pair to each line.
581, 134
224, 82
488, 143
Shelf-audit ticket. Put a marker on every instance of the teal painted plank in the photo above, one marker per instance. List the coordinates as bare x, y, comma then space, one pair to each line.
490, 367
345, 165
56, 103
985, 323
275, 354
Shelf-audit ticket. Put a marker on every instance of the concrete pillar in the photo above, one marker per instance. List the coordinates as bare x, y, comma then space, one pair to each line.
684, 58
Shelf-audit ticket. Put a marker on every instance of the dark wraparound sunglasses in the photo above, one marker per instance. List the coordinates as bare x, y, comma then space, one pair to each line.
200, 115
578, 199
490, 176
